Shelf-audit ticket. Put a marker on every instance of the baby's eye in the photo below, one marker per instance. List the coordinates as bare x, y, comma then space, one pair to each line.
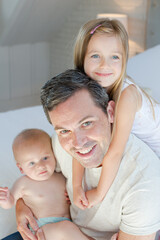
95, 56
45, 158
31, 163
115, 57
86, 124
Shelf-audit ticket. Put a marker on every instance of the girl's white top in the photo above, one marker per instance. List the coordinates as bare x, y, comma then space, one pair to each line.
146, 125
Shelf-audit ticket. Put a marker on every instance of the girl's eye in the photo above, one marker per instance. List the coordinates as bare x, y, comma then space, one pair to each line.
95, 56
86, 124
45, 158
115, 57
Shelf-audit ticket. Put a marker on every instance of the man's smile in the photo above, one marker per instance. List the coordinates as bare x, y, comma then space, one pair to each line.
87, 152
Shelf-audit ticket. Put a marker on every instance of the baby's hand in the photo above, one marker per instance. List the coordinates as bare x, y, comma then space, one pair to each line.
4, 196
79, 198
93, 197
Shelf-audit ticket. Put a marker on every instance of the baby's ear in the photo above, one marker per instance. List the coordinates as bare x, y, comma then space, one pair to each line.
110, 111
18, 165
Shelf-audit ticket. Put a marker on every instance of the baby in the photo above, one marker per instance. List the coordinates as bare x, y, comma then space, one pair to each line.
41, 188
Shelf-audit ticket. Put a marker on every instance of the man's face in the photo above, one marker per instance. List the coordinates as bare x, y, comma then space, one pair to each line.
84, 130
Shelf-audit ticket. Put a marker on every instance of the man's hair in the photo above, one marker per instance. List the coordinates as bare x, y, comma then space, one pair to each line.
65, 85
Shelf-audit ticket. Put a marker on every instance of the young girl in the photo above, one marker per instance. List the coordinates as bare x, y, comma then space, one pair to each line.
101, 51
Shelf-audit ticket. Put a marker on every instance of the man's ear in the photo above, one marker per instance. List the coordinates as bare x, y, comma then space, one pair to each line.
110, 111
21, 170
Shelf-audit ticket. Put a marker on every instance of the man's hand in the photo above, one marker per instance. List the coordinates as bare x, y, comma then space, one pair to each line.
40, 234
24, 216
67, 197
79, 198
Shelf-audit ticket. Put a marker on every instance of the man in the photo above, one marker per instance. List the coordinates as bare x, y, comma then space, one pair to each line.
82, 116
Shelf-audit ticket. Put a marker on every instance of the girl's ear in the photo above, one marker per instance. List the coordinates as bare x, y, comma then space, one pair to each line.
18, 165
110, 111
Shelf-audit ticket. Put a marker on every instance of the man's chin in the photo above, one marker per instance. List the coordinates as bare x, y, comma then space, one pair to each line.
89, 165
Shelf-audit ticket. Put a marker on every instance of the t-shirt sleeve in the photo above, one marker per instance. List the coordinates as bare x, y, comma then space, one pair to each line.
141, 209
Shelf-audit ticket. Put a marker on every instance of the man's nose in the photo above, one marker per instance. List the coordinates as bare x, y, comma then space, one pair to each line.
78, 139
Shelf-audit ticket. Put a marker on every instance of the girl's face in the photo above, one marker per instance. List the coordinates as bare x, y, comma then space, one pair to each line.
103, 59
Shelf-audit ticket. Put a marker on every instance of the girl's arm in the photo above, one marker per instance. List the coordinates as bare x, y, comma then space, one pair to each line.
129, 103
79, 197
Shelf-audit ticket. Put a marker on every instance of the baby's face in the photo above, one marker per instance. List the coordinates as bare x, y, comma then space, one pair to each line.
36, 159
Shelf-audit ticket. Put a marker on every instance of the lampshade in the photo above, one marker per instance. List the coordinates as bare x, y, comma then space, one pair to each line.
121, 17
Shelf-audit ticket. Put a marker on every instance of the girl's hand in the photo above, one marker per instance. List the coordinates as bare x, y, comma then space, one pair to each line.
93, 197
79, 198
24, 216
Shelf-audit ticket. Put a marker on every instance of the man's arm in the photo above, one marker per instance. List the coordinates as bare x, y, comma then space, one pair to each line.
125, 236
24, 216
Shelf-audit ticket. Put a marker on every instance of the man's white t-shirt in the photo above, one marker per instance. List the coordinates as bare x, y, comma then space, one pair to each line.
132, 203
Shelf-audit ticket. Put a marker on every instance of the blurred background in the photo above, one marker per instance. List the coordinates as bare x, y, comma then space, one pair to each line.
37, 39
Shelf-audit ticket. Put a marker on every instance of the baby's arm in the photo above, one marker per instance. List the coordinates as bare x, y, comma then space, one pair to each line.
129, 103
6, 198
79, 197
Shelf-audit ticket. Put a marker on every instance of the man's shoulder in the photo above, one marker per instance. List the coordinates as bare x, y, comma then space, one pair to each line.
140, 153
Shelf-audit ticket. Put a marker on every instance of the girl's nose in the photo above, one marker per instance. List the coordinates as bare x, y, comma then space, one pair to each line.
104, 63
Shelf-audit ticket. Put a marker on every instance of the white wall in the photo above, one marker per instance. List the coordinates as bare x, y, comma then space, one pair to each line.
23, 71
6, 9
153, 33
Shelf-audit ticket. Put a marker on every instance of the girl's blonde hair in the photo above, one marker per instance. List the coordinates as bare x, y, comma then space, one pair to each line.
112, 28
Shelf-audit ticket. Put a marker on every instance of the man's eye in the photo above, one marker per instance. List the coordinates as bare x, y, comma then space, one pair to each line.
95, 56
86, 124
63, 132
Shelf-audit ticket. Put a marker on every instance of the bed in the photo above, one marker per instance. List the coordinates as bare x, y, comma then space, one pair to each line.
143, 68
